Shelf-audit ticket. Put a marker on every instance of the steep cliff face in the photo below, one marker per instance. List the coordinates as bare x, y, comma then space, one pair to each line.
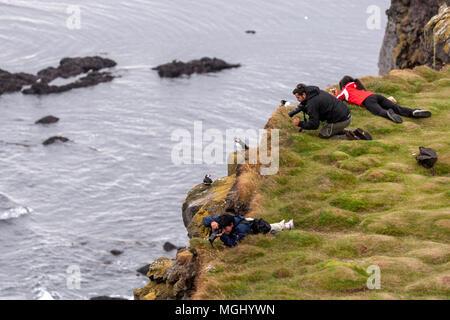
405, 44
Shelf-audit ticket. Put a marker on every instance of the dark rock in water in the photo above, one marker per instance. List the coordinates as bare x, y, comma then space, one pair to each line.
47, 120
91, 79
250, 31
170, 247
204, 65
143, 270
68, 67
54, 139
116, 252
107, 298
12, 82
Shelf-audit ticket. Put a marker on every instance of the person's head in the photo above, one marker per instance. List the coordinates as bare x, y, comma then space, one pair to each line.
344, 81
300, 92
226, 222
347, 79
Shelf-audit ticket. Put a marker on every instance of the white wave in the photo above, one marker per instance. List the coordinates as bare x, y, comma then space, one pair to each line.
41, 293
44, 295
14, 213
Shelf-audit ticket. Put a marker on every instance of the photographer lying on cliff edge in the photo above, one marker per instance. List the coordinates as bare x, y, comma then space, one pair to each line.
320, 106
353, 91
232, 229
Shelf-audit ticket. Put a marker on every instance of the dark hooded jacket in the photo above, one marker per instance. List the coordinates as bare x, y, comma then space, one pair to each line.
240, 230
320, 106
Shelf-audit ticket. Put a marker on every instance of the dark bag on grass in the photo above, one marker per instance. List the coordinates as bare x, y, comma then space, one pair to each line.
362, 134
427, 157
260, 226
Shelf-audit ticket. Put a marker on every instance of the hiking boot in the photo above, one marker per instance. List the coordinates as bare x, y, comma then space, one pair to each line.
363, 135
289, 225
394, 117
421, 114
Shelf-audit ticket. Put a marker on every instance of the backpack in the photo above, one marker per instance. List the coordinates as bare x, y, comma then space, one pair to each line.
260, 226
363, 135
427, 157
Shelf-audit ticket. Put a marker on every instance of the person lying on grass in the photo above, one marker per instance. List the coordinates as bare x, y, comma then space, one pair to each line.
321, 106
234, 228
353, 91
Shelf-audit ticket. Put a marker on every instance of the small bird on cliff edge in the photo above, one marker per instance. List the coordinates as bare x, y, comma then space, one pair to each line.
207, 181
286, 103
240, 144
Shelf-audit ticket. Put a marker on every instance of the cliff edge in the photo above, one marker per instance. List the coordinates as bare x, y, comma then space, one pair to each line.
358, 206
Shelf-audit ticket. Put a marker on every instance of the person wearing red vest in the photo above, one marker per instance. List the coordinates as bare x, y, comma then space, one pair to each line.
353, 91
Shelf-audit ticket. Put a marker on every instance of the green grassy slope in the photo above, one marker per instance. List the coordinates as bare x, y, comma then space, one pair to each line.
355, 204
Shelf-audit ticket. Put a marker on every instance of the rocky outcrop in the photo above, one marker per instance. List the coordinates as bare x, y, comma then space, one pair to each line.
91, 79
13, 82
404, 44
143, 270
175, 278
437, 37
47, 120
168, 246
68, 67
55, 139
177, 68
71, 67
203, 201
171, 278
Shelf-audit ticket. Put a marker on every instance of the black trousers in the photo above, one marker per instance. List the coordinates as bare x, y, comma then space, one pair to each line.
379, 105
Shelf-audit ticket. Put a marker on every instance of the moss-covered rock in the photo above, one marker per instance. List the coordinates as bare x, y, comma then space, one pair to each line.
171, 279
205, 201
158, 269
157, 288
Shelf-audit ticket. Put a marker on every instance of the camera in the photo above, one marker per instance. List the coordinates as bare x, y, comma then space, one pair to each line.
213, 235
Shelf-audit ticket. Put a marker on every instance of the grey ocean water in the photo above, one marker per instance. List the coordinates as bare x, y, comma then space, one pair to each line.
116, 187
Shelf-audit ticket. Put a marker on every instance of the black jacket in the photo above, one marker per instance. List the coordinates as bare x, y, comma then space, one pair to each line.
321, 106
